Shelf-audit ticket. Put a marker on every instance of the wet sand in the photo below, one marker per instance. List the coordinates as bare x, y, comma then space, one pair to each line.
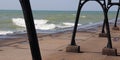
53, 46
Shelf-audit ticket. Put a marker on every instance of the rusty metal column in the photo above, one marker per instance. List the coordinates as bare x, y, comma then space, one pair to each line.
76, 24
109, 44
110, 3
103, 33
73, 47
106, 23
80, 5
115, 25
108, 50
33, 41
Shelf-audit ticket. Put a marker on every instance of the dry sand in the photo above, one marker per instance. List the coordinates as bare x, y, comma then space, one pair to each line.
53, 46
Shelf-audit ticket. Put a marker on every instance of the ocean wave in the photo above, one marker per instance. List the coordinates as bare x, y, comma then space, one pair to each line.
66, 25
21, 21
6, 32
45, 26
90, 22
80, 16
42, 24
69, 24
39, 24
83, 16
74, 14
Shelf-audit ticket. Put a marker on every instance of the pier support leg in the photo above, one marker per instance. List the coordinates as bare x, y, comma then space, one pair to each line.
109, 51
73, 47
103, 34
116, 28
32, 36
115, 25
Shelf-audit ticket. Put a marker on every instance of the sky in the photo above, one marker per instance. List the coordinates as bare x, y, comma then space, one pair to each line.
64, 5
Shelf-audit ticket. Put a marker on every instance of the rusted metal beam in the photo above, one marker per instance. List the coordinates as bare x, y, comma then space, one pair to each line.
32, 36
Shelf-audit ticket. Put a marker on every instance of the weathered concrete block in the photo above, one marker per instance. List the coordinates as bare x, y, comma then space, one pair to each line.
102, 35
115, 28
72, 48
109, 51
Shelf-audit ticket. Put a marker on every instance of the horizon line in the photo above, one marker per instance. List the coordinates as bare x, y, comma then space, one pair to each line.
53, 10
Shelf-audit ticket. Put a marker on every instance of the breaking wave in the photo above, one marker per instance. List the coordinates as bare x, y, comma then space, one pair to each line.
39, 24
6, 32
42, 24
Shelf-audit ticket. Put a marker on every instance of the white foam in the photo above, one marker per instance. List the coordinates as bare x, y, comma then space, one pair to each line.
90, 22
39, 24
59, 26
73, 14
69, 24
6, 32
19, 22
83, 16
46, 26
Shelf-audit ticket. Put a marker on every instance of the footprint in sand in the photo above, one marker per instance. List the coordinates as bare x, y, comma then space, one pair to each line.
19, 47
116, 39
60, 50
1, 50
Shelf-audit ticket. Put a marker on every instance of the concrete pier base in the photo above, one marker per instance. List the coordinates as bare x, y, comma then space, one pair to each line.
115, 28
109, 51
72, 48
102, 35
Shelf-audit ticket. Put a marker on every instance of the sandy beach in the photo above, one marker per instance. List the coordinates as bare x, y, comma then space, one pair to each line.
53, 46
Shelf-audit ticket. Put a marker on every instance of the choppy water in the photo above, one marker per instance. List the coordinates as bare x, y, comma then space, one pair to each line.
12, 20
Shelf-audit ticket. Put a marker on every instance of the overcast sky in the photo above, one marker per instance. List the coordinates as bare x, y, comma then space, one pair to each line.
50, 5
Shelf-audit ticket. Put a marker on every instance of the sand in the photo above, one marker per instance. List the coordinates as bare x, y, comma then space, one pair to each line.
53, 46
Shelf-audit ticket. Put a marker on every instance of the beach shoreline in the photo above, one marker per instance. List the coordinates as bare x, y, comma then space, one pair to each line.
85, 28
53, 46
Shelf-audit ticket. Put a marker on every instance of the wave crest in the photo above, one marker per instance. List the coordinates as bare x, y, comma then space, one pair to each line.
6, 32
39, 24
